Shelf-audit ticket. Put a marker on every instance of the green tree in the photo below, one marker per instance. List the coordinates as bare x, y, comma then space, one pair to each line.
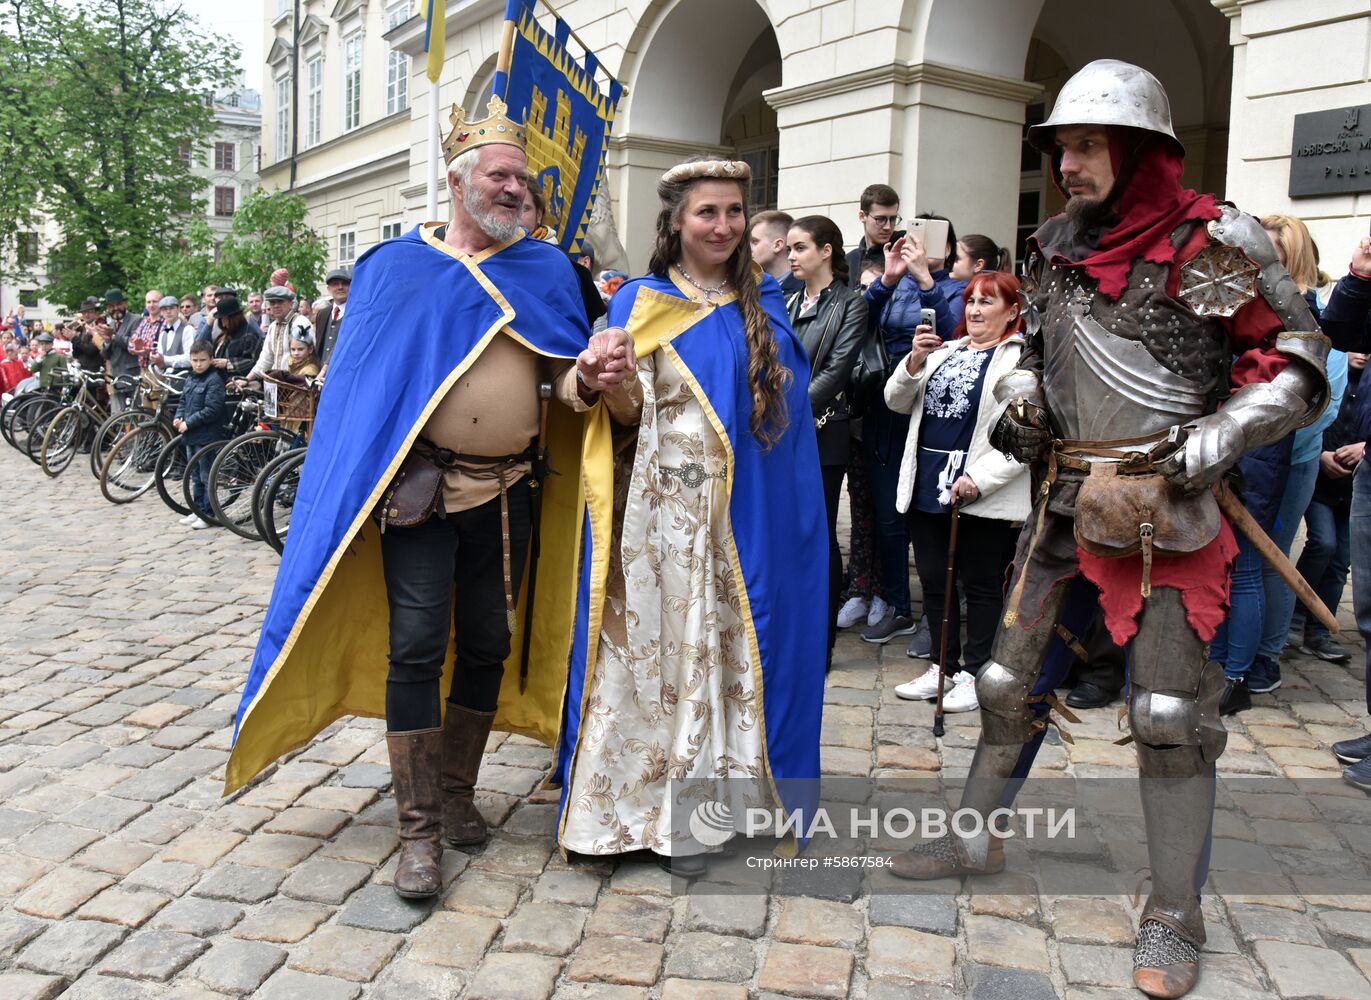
96, 101
184, 269
269, 231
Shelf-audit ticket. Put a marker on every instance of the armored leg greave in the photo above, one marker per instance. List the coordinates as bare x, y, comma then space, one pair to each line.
1174, 715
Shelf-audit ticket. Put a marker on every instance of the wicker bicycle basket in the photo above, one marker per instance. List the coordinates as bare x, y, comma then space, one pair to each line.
287, 401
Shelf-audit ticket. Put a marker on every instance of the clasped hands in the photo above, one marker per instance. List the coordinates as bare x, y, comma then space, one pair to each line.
608, 360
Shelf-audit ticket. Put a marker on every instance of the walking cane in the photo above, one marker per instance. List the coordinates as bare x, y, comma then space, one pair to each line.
948, 598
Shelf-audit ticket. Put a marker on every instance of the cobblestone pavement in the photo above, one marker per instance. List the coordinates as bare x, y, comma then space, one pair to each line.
124, 874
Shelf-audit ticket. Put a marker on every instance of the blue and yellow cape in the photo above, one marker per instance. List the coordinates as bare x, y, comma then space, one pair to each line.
418, 315
776, 510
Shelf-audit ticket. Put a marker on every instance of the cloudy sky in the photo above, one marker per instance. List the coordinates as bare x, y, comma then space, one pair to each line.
243, 21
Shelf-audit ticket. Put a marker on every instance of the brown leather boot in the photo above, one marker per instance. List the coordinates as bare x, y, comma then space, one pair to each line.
464, 741
945, 857
415, 772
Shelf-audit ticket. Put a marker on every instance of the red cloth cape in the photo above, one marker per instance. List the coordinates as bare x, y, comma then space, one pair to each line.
1153, 206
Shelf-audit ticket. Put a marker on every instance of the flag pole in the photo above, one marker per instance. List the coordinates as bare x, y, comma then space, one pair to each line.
435, 44
431, 204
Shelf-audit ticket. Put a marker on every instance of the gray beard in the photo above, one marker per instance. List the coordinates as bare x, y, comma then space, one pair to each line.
498, 229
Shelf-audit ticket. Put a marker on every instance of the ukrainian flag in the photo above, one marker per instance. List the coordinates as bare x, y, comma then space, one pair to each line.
435, 35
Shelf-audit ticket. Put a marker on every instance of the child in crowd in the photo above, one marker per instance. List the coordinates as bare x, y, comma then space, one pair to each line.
12, 370
200, 419
49, 366
303, 362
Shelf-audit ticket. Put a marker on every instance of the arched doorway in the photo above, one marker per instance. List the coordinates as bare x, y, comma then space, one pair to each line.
696, 71
1184, 44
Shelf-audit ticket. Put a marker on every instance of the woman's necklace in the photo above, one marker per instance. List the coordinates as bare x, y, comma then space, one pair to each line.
710, 291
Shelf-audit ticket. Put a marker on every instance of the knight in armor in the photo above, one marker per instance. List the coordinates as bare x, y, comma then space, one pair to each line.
1165, 340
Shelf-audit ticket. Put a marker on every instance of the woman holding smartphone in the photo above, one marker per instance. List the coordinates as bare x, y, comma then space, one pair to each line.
897, 301
948, 389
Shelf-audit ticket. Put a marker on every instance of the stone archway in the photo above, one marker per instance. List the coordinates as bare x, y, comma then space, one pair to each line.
728, 51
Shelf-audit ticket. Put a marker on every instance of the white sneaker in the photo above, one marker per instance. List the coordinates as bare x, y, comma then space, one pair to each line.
199, 523
879, 609
962, 697
190, 518
924, 687
853, 611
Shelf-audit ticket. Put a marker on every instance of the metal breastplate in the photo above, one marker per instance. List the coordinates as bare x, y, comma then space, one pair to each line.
1126, 368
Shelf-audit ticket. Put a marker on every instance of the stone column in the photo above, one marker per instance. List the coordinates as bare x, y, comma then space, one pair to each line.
946, 137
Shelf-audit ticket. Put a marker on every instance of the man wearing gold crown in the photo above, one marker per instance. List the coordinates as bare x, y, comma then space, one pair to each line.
419, 497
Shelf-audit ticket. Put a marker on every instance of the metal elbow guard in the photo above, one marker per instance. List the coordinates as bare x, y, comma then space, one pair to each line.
1255, 415
1020, 384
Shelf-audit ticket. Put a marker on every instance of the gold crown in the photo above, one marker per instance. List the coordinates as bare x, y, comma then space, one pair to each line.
497, 126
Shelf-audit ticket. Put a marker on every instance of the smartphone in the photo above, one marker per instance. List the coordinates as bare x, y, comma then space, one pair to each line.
933, 233
927, 317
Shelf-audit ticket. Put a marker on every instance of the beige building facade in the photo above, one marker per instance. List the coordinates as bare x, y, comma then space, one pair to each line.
823, 97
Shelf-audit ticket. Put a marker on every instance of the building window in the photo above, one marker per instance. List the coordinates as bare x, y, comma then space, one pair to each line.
223, 200
282, 118
183, 152
1030, 213
397, 82
225, 156
314, 102
28, 298
28, 248
766, 172
347, 247
390, 230
282, 8
352, 81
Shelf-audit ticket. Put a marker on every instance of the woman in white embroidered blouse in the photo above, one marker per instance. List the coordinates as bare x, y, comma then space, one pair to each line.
949, 391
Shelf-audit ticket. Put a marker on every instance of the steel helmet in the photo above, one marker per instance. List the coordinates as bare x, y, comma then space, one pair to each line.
1108, 92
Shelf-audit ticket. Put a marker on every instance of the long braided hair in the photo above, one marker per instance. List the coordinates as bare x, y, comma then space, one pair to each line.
766, 375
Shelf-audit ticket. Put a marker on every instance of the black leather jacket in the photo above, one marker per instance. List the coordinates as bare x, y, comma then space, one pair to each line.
832, 336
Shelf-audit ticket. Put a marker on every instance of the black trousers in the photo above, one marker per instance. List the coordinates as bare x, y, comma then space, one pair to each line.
423, 566
833, 490
985, 548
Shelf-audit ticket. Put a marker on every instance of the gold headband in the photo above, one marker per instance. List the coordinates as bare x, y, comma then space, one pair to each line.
724, 170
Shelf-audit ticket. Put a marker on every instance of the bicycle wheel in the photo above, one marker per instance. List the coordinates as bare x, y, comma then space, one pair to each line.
38, 428
233, 475
280, 499
7, 414
29, 418
115, 426
61, 439
202, 458
259, 489
130, 467
171, 466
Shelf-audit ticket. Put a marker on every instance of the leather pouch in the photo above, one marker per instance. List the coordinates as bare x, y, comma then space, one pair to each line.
414, 495
1121, 513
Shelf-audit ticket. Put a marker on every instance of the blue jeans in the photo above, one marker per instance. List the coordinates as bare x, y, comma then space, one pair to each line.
1235, 643
1326, 559
883, 436
1280, 599
1360, 547
199, 477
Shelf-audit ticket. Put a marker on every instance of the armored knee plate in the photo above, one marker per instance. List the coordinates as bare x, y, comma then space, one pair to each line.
1161, 719
1006, 719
